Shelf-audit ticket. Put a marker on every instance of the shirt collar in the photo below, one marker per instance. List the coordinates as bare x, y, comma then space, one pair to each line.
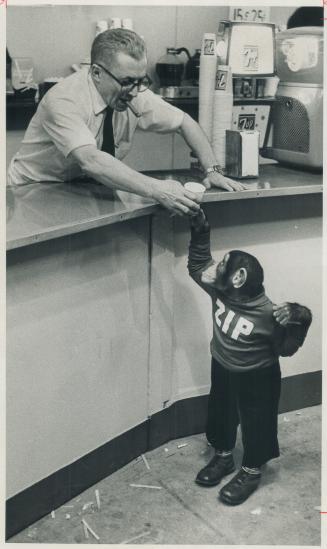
97, 101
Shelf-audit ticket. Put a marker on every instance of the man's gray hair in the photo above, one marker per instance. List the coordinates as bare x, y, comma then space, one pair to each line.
108, 43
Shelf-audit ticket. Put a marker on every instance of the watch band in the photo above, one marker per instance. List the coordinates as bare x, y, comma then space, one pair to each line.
214, 168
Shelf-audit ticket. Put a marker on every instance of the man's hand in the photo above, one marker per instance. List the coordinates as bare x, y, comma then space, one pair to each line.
172, 195
283, 313
215, 179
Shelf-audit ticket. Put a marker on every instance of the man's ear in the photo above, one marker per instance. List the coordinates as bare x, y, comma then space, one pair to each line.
96, 73
239, 277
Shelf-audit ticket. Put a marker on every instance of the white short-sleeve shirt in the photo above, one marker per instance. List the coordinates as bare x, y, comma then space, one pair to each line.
71, 115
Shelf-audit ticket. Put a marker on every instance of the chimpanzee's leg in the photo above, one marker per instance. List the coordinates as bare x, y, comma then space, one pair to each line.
223, 418
258, 398
221, 426
258, 393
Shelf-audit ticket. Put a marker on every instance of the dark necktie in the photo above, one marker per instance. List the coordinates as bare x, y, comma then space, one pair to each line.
108, 144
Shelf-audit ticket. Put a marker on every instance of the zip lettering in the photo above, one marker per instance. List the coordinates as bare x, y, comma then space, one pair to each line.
228, 320
243, 326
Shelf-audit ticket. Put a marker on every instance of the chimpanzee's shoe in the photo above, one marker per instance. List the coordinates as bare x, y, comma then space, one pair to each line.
217, 468
241, 486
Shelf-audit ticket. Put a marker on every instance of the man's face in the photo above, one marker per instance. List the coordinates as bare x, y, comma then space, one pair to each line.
215, 274
126, 70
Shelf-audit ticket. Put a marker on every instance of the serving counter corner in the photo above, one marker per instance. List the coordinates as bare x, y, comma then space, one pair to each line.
108, 337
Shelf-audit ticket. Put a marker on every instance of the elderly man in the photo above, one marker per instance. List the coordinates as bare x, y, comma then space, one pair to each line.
85, 124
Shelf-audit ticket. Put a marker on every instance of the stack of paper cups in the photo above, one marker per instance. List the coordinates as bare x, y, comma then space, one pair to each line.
115, 23
222, 112
127, 23
208, 65
101, 27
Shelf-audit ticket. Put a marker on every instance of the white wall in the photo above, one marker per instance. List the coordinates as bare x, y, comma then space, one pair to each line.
58, 36
77, 347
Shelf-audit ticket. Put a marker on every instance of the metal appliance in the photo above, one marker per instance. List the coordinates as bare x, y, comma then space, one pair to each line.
249, 49
180, 92
297, 115
178, 81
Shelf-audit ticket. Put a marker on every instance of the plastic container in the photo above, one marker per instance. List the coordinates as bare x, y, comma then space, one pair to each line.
299, 55
170, 69
22, 73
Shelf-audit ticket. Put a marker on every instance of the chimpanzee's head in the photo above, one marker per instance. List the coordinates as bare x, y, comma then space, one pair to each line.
239, 275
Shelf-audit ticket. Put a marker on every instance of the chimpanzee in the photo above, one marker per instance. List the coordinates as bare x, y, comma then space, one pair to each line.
249, 335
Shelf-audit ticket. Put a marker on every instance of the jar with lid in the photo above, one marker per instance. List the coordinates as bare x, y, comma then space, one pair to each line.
170, 69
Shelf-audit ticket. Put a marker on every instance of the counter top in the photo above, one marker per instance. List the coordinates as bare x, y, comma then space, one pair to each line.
43, 211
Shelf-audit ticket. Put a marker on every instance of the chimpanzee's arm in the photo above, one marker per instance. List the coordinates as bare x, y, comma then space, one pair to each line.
296, 320
199, 257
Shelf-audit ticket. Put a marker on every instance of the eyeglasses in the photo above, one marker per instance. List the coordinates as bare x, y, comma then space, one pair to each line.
142, 84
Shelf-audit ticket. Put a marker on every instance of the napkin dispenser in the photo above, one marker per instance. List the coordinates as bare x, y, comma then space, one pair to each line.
242, 154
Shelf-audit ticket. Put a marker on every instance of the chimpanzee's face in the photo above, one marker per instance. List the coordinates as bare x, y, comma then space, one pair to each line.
216, 274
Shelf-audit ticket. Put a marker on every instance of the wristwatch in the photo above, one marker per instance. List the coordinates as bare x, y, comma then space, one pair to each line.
216, 168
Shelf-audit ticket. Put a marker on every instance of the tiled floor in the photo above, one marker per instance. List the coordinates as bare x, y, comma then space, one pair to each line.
284, 511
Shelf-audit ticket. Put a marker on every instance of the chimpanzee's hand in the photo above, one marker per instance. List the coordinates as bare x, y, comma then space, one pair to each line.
199, 221
283, 313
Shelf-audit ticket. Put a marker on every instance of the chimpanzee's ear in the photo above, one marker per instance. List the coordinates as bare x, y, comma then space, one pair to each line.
239, 277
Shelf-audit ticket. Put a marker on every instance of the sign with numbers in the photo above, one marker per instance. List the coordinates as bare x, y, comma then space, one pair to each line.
254, 14
246, 122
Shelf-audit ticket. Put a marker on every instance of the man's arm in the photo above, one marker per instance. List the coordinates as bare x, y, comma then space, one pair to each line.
198, 142
113, 173
66, 127
199, 257
296, 320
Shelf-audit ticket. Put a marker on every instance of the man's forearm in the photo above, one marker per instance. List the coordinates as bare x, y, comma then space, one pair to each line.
197, 141
113, 173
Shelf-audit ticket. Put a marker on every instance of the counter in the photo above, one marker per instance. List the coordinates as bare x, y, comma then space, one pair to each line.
107, 335
40, 212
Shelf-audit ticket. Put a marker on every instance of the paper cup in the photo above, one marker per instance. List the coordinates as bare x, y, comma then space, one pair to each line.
127, 23
196, 188
115, 23
271, 86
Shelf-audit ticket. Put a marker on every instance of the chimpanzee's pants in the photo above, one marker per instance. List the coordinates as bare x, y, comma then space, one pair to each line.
251, 399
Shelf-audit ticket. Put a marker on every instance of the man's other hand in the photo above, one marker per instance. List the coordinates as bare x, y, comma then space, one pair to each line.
215, 179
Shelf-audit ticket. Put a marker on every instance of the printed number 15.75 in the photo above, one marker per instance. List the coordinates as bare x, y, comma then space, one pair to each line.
250, 15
